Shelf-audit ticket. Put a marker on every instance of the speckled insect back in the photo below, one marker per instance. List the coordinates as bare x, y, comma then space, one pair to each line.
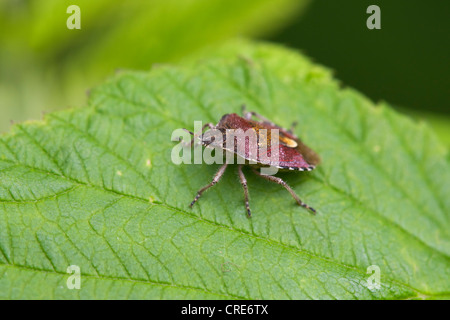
293, 154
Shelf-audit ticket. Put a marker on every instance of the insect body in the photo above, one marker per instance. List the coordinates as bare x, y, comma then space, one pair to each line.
293, 154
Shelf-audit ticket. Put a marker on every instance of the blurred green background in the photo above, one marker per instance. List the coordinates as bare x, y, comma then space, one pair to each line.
44, 66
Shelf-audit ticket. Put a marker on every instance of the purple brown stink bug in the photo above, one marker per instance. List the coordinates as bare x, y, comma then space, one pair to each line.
292, 153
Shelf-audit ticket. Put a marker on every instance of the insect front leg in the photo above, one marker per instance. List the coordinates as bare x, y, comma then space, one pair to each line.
216, 179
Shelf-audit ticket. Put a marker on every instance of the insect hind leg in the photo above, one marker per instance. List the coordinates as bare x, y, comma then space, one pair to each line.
286, 186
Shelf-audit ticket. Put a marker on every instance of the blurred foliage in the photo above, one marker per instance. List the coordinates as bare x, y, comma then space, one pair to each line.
44, 65
405, 62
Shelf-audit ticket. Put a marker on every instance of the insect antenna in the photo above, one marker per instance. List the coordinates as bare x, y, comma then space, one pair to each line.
189, 144
188, 131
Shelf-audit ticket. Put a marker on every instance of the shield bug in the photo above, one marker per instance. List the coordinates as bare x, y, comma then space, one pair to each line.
293, 154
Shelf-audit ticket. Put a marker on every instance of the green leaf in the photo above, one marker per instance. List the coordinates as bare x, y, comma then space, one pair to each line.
95, 187
440, 123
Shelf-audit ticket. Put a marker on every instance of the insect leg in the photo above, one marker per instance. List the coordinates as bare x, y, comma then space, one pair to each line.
286, 186
248, 115
293, 126
209, 125
244, 185
216, 179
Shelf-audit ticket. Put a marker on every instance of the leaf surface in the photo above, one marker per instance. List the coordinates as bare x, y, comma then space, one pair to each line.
95, 187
